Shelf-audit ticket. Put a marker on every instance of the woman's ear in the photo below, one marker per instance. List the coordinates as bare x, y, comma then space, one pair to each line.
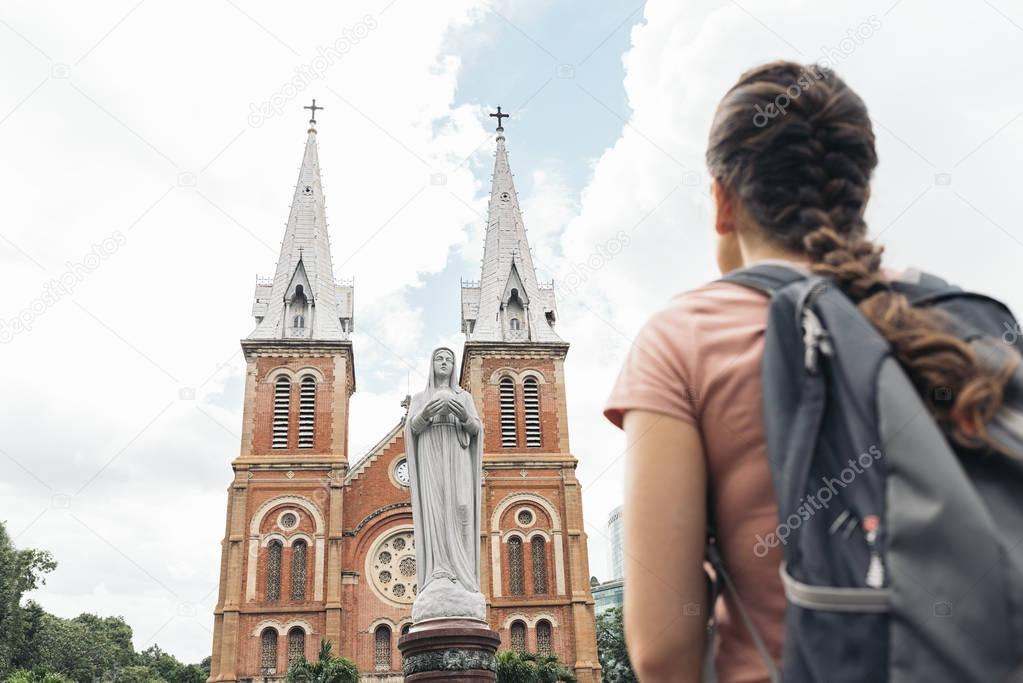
724, 218
729, 251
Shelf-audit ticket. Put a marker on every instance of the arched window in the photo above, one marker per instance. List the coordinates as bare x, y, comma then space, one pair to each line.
298, 564
296, 645
509, 439
515, 311
539, 552
306, 411
518, 636
282, 409
298, 307
268, 651
405, 629
515, 568
543, 638
531, 401
382, 648
274, 550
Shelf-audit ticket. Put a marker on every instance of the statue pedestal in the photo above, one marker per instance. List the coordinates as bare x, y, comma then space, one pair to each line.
459, 650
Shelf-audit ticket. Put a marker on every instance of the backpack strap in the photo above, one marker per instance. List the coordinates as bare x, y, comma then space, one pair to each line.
766, 278
714, 557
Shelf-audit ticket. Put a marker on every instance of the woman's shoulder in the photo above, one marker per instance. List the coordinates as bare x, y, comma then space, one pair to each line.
713, 303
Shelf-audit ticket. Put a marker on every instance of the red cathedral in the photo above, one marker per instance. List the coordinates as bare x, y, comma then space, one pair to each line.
318, 544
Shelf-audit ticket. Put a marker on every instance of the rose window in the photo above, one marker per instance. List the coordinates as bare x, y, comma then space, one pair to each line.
391, 566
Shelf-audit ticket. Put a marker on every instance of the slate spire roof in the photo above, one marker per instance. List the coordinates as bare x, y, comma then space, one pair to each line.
303, 301
508, 303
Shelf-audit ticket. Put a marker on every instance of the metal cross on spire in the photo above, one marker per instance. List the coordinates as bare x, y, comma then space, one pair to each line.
500, 116
313, 108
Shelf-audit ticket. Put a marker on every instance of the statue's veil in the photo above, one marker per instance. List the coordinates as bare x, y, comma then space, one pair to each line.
431, 382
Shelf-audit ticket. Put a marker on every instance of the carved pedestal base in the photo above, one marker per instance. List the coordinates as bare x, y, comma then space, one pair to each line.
454, 649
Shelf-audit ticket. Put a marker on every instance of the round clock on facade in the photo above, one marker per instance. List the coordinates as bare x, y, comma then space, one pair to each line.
401, 472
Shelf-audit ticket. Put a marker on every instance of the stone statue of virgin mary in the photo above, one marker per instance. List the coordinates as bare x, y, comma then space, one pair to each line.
443, 442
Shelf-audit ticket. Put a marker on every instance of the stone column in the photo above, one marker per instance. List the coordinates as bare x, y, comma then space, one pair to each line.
453, 650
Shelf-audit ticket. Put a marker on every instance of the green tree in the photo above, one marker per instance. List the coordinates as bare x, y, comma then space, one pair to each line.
20, 571
526, 667
326, 669
205, 666
26, 652
614, 657
134, 673
169, 668
85, 648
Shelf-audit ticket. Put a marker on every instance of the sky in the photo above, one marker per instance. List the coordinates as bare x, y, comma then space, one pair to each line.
150, 154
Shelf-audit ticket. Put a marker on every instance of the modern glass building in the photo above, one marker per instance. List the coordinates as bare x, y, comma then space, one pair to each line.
611, 593
608, 594
616, 561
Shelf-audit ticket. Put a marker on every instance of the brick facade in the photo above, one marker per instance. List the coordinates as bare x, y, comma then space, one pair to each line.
528, 493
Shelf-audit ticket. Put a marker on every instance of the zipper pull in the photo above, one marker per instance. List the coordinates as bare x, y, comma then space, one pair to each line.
815, 340
875, 570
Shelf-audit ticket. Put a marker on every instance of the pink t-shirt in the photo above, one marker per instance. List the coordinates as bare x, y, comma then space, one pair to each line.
699, 360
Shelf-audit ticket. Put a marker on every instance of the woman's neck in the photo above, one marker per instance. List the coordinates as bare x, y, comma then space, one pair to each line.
765, 251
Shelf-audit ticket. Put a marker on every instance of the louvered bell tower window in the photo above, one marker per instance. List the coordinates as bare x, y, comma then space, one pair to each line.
282, 409
306, 412
509, 438
531, 401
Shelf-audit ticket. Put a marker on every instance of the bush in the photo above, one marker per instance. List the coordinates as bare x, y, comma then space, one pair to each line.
37, 675
326, 669
526, 667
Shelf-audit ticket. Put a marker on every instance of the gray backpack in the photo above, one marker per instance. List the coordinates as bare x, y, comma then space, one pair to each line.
903, 551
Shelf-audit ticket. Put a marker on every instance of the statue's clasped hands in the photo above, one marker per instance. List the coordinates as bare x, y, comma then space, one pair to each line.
449, 404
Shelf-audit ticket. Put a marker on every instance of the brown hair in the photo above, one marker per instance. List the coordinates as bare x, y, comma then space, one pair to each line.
795, 146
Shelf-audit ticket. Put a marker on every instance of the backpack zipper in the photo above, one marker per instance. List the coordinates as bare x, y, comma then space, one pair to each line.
875, 569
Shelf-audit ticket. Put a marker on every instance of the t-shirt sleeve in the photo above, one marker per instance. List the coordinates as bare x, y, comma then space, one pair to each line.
656, 374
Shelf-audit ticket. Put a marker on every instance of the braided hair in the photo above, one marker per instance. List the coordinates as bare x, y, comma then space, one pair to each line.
794, 145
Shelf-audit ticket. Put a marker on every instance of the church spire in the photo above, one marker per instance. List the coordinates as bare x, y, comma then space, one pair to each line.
508, 303
303, 301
